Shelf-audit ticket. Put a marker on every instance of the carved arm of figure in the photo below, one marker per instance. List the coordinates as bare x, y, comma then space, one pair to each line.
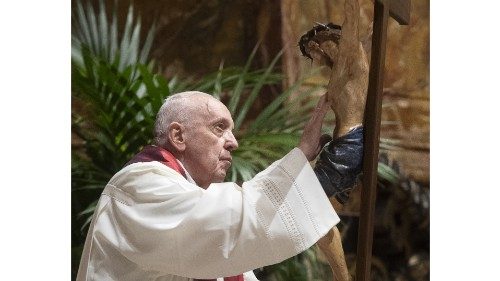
340, 49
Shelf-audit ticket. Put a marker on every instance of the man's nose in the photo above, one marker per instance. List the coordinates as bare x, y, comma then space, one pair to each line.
231, 142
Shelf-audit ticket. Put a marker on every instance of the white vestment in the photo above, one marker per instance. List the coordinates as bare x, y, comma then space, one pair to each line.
151, 223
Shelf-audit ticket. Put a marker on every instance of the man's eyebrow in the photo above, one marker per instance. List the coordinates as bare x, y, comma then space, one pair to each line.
226, 122
220, 119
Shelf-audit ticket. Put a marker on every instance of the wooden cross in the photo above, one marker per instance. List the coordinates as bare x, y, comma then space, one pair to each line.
400, 11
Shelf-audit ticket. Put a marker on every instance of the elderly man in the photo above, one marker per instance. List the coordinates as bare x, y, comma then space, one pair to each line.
168, 215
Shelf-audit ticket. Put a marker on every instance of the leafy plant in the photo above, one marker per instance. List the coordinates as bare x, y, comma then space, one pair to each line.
109, 74
305, 266
93, 32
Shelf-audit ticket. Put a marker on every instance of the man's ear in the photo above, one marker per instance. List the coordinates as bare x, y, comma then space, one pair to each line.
176, 136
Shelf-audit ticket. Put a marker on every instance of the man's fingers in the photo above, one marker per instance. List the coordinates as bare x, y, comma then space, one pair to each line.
322, 107
316, 121
310, 142
321, 103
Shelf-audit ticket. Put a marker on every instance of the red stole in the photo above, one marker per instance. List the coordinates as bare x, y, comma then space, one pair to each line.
155, 153
232, 278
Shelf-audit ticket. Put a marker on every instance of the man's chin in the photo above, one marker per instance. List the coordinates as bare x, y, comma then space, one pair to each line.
220, 176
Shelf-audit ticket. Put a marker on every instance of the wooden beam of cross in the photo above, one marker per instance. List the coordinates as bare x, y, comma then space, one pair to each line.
400, 11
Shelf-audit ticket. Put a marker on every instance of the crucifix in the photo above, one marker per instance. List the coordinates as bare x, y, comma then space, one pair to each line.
355, 93
400, 11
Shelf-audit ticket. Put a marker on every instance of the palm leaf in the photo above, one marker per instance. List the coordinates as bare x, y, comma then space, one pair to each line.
256, 90
238, 89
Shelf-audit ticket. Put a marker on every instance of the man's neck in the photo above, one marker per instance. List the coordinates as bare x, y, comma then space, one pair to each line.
188, 176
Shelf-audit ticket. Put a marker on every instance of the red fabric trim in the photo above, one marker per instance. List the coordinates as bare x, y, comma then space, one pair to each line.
232, 278
155, 153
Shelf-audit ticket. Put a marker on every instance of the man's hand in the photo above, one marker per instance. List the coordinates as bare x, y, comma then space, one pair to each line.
312, 141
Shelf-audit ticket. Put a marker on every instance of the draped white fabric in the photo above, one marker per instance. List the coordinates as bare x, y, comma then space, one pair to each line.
153, 224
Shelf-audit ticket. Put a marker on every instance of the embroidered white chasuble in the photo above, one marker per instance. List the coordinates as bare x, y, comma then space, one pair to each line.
151, 223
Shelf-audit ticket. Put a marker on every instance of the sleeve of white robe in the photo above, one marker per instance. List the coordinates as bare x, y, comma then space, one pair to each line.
164, 223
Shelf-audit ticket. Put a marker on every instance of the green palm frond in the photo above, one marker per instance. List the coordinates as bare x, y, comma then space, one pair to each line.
93, 32
256, 90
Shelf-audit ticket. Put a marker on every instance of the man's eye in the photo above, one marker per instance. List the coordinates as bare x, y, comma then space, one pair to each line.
219, 127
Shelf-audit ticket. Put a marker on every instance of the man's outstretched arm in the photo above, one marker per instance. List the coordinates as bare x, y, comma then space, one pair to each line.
151, 217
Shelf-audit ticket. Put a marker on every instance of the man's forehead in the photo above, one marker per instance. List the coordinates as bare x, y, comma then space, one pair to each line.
210, 108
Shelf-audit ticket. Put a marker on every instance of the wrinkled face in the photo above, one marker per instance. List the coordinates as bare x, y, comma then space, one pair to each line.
209, 142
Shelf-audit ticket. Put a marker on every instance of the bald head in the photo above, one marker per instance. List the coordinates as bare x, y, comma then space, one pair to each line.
184, 108
197, 129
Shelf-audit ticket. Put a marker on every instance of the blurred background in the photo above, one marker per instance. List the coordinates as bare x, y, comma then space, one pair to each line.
127, 56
